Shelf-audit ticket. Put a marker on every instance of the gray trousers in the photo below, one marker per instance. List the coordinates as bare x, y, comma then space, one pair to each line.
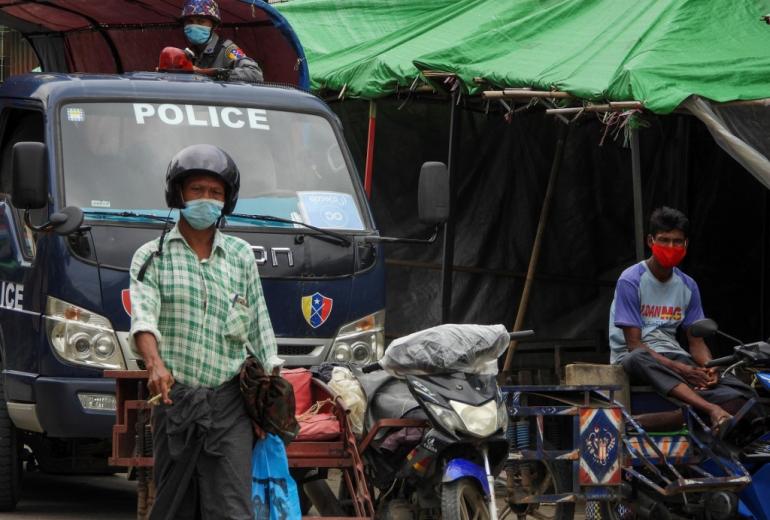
202, 445
645, 369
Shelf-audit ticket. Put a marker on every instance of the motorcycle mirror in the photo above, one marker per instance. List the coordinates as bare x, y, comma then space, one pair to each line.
704, 328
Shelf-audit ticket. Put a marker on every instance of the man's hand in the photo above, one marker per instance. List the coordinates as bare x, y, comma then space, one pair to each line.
697, 377
217, 74
713, 377
160, 381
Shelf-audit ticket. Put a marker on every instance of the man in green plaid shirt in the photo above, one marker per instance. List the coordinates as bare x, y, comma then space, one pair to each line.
197, 312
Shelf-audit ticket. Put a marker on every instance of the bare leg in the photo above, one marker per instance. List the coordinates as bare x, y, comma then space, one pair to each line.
716, 413
661, 421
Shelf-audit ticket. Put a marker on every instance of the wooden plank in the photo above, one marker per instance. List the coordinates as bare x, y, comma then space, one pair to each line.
131, 461
315, 449
320, 463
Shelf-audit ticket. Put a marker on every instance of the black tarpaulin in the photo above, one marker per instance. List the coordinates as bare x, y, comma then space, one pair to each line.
589, 238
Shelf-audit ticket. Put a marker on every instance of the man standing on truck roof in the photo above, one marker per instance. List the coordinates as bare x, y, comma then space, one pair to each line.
653, 299
198, 311
215, 56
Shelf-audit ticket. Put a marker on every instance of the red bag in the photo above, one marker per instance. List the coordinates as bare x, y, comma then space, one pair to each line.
320, 427
300, 381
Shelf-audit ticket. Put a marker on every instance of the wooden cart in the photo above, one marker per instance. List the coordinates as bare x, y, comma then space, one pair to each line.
132, 444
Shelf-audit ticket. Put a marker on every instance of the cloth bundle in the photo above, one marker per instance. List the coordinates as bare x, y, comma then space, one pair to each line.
269, 401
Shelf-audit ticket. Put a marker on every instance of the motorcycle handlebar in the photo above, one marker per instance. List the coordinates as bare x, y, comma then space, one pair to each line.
722, 361
371, 368
521, 334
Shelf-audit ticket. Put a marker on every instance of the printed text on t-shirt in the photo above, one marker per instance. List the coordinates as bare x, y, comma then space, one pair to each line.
662, 312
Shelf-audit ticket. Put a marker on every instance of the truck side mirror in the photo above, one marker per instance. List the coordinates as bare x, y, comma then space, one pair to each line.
30, 175
704, 328
433, 193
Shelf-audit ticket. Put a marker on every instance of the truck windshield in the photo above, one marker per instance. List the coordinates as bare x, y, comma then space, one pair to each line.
115, 155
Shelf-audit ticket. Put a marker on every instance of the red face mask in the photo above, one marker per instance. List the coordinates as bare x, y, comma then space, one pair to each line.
668, 256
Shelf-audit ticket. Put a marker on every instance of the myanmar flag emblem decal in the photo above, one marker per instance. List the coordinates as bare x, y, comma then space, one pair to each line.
316, 308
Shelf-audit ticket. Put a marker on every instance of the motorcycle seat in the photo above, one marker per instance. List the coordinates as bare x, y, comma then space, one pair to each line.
393, 400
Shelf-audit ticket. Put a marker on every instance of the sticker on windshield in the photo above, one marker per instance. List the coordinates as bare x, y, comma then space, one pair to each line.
100, 204
329, 209
191, 115
76, 115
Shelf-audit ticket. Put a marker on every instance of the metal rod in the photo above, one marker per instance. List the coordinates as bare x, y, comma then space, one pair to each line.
763, 266
636, 177
449, 227
491, 482
369, 171
536, 247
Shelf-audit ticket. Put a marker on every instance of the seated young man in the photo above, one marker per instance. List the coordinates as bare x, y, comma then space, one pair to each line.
653, 298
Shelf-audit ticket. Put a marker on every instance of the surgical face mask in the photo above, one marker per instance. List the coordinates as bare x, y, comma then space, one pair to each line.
668, 256
197, 34
202, 213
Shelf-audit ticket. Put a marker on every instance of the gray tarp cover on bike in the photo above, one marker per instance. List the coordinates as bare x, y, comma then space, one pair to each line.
447, 348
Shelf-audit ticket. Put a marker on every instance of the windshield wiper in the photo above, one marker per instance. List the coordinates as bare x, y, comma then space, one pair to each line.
338, 239
129, 214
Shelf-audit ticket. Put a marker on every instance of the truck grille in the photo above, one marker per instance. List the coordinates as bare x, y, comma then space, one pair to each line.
296, 350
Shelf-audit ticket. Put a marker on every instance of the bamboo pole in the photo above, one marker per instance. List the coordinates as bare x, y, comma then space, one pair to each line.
612, 106
536, 247
636, 182
515, 93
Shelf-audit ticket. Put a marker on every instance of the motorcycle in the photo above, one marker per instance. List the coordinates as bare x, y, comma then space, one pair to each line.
749, 439
436, 422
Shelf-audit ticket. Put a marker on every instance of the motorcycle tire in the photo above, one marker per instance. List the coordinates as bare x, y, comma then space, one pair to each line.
10, 457
397, 509
615, 510
463, 500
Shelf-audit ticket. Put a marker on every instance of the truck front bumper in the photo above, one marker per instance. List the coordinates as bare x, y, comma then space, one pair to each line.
58, 409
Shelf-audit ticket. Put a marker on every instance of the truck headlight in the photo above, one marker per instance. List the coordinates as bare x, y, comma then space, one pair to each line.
360, 342
481, 421
80, 336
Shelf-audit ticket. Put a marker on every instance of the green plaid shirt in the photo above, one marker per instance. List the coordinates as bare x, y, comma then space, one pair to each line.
206, 315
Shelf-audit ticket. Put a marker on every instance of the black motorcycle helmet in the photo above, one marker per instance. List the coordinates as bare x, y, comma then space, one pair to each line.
206, 159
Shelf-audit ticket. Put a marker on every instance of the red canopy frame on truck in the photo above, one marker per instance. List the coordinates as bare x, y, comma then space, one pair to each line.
116, 36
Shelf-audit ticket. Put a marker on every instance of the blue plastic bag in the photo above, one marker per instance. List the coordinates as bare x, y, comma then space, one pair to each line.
273, 490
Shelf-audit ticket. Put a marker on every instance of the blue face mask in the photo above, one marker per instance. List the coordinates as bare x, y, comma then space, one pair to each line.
202, 213
197, 34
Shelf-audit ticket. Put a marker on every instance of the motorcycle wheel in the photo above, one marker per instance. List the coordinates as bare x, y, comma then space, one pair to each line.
10, 458
397, 509
545, 478
463, 500
615, 510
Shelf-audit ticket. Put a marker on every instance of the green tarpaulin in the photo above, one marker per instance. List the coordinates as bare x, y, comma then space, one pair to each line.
655, 51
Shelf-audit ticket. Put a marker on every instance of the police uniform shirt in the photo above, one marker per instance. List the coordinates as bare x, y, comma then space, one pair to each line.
224, 54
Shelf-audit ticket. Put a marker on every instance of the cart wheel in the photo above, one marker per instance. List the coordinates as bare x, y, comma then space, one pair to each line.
463, 500
539, 478
145, 493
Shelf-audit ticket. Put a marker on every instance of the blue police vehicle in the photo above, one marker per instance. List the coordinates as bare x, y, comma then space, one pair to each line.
82, 168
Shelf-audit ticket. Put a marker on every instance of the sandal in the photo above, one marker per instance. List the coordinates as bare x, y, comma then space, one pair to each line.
723, 426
